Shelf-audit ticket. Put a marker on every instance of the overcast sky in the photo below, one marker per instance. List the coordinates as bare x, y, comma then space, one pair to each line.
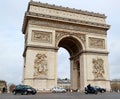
12, 39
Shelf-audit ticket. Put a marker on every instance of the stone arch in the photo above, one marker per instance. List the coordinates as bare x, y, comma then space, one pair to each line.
74, 46
72, 29
78, 40
71, 43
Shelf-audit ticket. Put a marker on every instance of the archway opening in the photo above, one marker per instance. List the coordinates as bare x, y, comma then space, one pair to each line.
72, 46
63, 64
63, 76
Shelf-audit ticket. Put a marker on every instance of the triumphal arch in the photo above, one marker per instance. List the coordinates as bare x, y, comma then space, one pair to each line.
83, 34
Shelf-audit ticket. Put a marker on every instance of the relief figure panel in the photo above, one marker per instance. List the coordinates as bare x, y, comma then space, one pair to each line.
96, 43
41, 36
40, 65
98, 68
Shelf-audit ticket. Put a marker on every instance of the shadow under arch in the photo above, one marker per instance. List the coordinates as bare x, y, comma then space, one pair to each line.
71, 44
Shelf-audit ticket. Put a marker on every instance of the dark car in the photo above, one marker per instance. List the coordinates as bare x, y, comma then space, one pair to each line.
24, 90
90, 90
99, 89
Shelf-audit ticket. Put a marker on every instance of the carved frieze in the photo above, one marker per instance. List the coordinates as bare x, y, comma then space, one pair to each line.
66, 14
67, 26
96, 43
98, 68
40, 65
60, 34
41, 36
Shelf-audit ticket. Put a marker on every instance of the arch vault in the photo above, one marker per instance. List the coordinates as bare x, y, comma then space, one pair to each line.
83, 34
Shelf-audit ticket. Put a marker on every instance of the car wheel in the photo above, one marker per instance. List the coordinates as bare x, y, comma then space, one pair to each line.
14, 93
96, 92
103, 91
25, 93
53, 91
86, 92
33, 93
64, 91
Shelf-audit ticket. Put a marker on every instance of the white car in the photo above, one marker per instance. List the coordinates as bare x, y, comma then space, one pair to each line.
59, 90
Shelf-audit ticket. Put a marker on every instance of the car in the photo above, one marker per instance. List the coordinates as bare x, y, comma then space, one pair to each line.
91, 90
99, 89
24, 90
58, 90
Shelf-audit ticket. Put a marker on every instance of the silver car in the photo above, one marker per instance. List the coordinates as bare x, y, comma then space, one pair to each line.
58, 90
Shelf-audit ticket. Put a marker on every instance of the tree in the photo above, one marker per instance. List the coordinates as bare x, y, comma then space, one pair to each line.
3, 86
11, 87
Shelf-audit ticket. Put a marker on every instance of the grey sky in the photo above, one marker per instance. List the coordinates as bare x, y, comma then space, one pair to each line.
12, 39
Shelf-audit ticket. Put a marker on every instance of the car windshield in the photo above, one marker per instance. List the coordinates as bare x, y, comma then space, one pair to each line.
58, 88
23, 86
28, 86
97, 87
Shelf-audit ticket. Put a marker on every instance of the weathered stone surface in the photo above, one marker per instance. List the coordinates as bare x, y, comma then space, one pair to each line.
83, 34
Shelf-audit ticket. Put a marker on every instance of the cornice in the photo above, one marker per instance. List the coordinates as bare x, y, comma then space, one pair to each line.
73, 10
41, 47
60, 19
98, 80
89, 52
94, 52
38, 47
38, 78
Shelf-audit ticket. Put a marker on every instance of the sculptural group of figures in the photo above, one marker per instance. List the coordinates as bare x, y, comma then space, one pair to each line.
98, 68
40, 65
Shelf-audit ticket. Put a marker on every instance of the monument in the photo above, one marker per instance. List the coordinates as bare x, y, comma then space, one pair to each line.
83, 34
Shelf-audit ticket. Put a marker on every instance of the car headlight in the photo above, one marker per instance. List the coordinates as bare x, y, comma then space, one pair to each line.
29, 90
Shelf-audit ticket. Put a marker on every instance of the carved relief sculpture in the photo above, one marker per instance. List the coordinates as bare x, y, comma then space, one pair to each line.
60, 34
96, 43
65, 26
42, 36
83, 34
98, 68
40, 65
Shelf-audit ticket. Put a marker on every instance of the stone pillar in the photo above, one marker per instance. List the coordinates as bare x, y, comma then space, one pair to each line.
71, 74
83, 72
41, 68
75, 77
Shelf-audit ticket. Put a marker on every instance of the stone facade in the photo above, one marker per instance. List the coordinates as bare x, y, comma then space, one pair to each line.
3, 86
115, 85
84, 34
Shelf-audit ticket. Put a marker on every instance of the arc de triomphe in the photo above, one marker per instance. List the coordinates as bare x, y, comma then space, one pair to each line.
83, 34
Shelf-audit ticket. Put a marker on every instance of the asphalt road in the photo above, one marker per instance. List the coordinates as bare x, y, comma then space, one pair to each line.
63, 96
